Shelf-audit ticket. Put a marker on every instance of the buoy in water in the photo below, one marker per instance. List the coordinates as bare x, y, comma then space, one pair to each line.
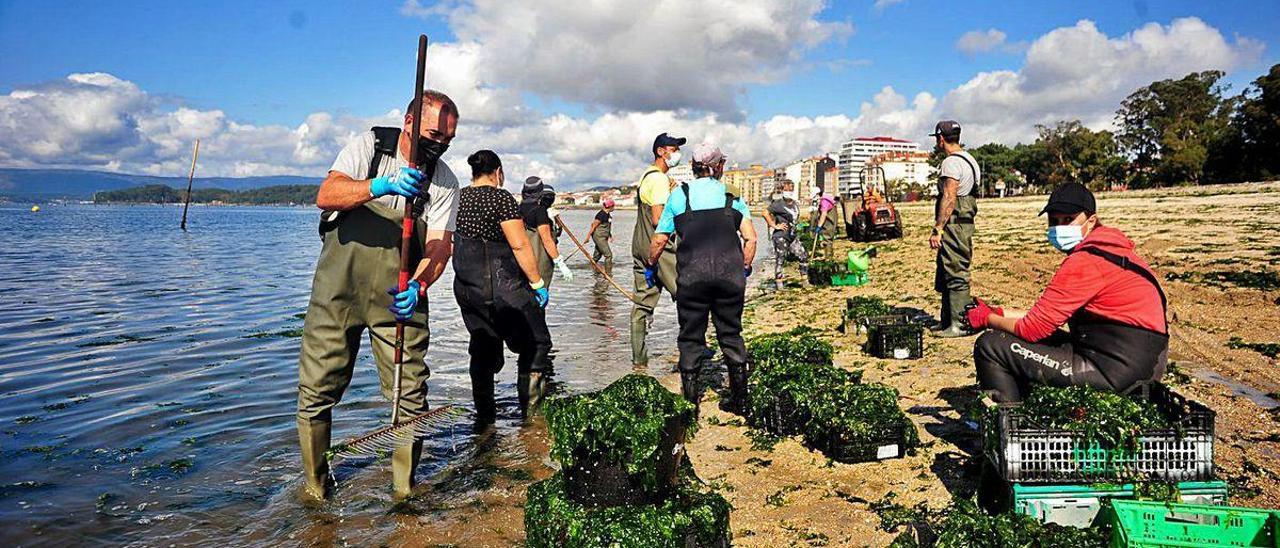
35, 209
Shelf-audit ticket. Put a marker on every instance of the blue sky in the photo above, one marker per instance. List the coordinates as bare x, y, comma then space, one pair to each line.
274, 64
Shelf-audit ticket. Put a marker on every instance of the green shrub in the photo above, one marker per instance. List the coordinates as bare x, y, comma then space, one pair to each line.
621, 424
553, 520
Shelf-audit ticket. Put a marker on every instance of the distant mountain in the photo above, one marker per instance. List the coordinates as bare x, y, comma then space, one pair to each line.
75, 184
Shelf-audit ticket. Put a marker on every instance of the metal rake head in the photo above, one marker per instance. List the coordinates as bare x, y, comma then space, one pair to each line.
384, 440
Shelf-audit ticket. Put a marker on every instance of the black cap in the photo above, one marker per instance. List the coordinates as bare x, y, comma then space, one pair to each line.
532, 185
1070, 198
947, 129
665, 140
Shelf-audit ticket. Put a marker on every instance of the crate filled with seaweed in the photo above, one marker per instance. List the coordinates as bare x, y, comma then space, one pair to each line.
621, 445
895, 337
796, 390
1080, 434
692, 517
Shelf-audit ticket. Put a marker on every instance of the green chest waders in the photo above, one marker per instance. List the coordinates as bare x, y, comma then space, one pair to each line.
647, 297
359, 260
601, 238
951, 275
546, 267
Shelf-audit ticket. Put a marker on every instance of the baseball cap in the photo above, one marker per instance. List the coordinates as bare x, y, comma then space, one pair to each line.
607, 202
1070, 198
665, 140
532, 185
707, 154
946, 129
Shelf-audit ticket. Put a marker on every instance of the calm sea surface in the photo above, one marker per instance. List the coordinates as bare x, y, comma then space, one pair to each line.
149, 377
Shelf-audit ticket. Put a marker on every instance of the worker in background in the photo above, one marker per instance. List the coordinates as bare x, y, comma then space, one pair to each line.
601, 232
1108, 296
501, 295
824, 221
363, 201
717, 246
651, 198
781, 216
535, 204
954, 211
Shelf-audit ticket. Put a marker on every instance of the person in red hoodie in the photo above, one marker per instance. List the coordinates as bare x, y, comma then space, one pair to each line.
1108, 297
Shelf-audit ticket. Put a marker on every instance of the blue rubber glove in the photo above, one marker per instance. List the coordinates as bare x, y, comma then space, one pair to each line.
651, 275
405, 302
542, 295
817, 229
746, 272
406, 182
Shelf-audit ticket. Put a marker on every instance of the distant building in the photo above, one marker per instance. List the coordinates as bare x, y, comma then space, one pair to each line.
904, 171
804, 173
749, 182
855, 153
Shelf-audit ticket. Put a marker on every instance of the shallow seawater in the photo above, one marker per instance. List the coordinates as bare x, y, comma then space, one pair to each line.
149, 381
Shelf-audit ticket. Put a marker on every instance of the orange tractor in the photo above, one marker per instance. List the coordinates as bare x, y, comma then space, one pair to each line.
874, 217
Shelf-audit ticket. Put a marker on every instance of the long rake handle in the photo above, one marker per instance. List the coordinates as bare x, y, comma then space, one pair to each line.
595, 265
406, 225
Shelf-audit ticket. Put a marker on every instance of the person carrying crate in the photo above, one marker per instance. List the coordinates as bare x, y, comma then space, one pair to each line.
1108, 296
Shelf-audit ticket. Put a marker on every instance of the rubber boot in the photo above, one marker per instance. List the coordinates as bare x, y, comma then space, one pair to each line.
737, 402
956, 301
482, 395
403, 464
944, 316
530, 387
313, 439
691, 389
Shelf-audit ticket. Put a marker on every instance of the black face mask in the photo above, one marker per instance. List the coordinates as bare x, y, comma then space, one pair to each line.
429, 152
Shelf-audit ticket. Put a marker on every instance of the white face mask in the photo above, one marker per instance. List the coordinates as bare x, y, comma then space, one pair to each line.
674, 159
1064, 238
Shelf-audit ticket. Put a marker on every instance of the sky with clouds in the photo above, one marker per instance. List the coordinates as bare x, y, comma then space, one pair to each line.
574, 91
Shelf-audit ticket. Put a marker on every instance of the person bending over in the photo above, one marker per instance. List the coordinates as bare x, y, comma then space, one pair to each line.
1107, 295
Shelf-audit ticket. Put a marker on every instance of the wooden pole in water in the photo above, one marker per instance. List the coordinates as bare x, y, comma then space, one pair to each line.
186, 203
606, 275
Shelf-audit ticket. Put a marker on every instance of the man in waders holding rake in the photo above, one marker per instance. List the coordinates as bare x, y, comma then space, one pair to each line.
363, 202
717, 246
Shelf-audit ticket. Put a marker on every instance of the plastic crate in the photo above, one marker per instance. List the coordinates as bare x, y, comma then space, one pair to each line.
1139, 523
1023, 451
888, 442
899, 341
1079, 505
849, 279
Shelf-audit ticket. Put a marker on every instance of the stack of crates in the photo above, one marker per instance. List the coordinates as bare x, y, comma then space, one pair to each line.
1141, 524
1058, 476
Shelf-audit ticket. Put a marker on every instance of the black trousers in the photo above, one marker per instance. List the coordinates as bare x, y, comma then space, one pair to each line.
722, 301
1009, 365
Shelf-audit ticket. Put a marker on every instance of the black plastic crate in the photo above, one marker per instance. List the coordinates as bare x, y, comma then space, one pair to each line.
1023, 451
885, 442
902, 340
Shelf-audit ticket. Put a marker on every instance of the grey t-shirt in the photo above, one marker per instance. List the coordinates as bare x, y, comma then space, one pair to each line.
960, 170
441, 214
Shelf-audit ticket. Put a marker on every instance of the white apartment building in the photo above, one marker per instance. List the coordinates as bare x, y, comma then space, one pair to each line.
855, 153
901, 169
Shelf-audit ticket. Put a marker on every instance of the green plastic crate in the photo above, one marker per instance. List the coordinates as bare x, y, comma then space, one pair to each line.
1144, 524
849, 279
1079, 505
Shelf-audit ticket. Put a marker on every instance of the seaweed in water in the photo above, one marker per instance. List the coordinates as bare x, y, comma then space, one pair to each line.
553, 520
622, 424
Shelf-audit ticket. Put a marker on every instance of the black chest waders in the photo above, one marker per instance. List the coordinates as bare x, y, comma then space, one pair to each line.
1125, 355
497, 308
712, 283
359, 260
646, 298
955, 255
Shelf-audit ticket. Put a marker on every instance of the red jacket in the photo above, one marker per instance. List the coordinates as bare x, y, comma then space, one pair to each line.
1098, 286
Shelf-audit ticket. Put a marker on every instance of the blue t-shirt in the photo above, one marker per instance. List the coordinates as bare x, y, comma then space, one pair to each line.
705, 193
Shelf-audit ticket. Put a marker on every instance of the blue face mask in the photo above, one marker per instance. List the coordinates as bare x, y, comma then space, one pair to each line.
1065, 237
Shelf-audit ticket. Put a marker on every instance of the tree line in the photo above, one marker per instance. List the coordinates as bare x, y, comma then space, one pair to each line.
163, 194
1187, 131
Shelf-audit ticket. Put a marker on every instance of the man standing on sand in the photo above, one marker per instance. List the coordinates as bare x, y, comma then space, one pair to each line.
651, 197
958, 181
363, 202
